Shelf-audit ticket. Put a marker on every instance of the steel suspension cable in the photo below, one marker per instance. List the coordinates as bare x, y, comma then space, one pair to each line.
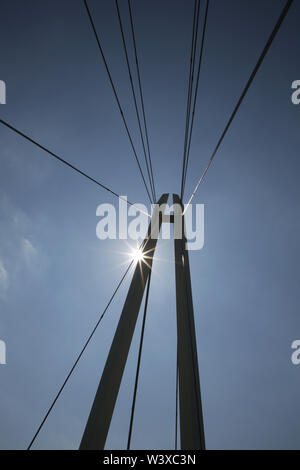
77, 360
190, 83
138, 363
116, 96
65, 162
250, 80
195, 96
134, 96
176, 403
141, 96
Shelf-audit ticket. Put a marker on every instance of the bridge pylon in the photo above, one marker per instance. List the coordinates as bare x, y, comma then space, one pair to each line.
191, 417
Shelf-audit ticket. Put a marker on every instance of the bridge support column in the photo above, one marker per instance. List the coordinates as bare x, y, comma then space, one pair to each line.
191, 416
98, 423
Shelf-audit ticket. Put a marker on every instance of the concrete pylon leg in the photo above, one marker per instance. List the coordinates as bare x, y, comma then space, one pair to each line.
191, 416
98, 423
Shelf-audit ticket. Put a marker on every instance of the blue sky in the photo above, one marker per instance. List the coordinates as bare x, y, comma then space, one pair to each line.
56, 276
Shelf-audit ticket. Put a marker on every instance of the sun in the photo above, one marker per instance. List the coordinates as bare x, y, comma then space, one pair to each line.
138, 255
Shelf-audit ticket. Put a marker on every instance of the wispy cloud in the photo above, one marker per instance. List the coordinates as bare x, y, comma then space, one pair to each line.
29, 251
3, 280
20, 250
